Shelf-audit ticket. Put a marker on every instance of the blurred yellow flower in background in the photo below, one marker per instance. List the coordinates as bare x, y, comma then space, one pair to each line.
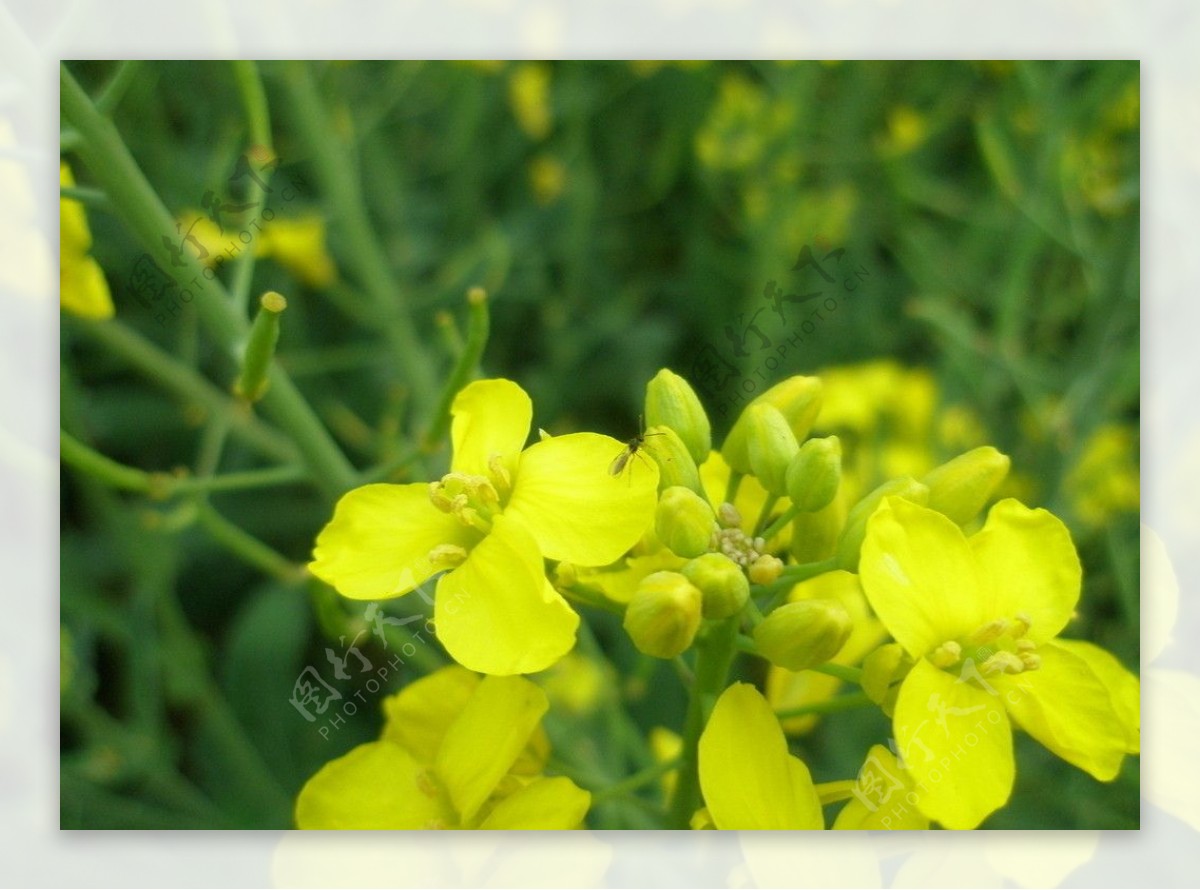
83, 289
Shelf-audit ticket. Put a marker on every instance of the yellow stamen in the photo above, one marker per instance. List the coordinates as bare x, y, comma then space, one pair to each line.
946, 655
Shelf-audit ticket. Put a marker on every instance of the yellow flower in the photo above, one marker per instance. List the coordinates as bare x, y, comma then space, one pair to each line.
529, 96
883, 797
298, 244
488, 524
457, 751
83, 289
1105, 480
980, 617
748, 778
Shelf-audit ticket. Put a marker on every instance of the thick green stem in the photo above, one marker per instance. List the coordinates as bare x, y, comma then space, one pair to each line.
113, 166
714, 655
362, 248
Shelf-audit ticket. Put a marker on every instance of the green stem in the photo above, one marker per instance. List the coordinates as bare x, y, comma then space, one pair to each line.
241, 543
794, 574
164, 485
114, 167
478, 325
847, 702
114, 91
731, 489
258, 121
764, 514
362, 248
636, 781
841, 671
105, 469
714, 656
779, 524
159, 367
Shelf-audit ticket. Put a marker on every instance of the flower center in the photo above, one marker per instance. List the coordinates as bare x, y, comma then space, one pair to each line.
730, 540
998, 647
472, 500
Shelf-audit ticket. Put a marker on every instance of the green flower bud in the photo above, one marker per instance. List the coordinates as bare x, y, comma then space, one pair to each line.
675, 463
855, 529
800, 635
797, 398
814, 474
684, 522
664, 614
770, 446
815, 535
260, 348
961, 487
722, 583
671, 402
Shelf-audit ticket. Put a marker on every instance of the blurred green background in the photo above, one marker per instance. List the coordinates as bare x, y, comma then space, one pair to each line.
622, 216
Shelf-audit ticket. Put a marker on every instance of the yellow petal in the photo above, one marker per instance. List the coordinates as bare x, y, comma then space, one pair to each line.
376, 786
552, 804
1123, 687
485, 740
748, 778
883, 797
497, 613
418, 716
956, 743
1028, 564
576, 509
919, 576
1066, 707
377, 544
491, 417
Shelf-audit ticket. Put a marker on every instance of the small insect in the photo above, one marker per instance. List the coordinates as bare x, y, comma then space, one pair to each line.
632, 447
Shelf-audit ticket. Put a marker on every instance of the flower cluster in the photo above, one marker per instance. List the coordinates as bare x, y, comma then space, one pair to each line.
950, 617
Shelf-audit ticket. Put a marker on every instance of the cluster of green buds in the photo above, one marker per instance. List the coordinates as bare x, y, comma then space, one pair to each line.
728, 570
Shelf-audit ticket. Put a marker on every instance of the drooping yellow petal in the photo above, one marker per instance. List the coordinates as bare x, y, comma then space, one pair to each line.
377, 544
485, 740
919, 576
418, 716
497, 613
748, 778
956, 742
1067, 708
576, 509
553, 804
1123, 687
376, 786
1028, 564
491, 417
883, 797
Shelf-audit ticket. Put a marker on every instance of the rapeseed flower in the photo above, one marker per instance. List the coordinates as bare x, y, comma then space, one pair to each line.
488, 525
457, 751
981, 617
